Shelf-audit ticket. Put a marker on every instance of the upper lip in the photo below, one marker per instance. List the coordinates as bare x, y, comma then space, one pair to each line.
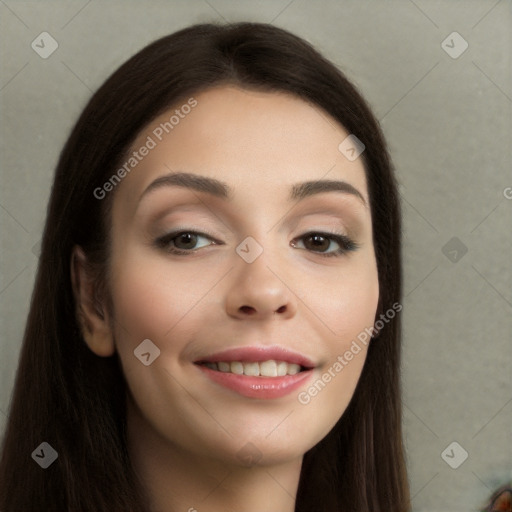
259, 354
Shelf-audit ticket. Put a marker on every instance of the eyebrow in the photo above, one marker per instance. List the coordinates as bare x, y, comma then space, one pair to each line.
222, 190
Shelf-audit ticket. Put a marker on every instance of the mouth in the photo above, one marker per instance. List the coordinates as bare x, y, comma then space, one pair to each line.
270, 368
257, 372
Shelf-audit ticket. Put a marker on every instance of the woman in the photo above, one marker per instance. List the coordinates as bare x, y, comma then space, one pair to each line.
258, 370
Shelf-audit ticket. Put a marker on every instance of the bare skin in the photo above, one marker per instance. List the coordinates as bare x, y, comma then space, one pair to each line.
187, 434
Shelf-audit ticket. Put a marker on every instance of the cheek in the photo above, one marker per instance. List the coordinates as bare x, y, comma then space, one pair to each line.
149, 300
154, 301
344, 303
344, 311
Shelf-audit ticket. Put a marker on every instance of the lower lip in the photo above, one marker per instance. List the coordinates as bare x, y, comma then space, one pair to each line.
258, 387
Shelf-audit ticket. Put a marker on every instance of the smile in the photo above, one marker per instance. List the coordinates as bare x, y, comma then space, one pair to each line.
254, 369
257, 372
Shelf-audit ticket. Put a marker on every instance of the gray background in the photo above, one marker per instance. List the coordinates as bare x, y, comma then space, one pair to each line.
448, 123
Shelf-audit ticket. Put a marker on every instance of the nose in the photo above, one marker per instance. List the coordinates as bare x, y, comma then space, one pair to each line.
258, 291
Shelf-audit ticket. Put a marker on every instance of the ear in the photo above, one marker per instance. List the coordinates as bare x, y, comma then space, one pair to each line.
92, 315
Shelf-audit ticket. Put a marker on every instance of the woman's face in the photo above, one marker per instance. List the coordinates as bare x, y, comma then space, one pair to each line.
250, 275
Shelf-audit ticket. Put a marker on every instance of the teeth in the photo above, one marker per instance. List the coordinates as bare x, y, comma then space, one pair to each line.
268, 368
264, 369
293, 369
224, 367
251, 369
282, 368
237, 368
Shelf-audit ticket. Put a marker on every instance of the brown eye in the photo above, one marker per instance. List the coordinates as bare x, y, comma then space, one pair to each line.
317, 243
185, 241
320, 242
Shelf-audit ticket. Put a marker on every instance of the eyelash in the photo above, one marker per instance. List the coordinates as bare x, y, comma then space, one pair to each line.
346, 244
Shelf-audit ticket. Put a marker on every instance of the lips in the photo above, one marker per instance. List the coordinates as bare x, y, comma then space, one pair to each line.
258, 372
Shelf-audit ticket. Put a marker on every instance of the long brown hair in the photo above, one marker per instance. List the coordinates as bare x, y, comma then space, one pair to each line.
74, 400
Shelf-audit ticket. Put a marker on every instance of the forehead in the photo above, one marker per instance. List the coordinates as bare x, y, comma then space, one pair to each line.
258, 142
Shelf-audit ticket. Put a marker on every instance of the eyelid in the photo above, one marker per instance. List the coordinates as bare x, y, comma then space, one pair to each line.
334, 212
331, 217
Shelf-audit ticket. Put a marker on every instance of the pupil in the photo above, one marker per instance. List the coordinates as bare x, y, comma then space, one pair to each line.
318, 240
187, 238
